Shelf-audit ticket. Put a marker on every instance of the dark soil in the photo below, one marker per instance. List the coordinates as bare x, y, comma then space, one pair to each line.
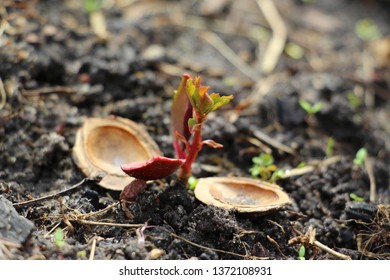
56, 71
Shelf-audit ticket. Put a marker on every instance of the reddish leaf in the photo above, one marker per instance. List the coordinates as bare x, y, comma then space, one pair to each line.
155, 168
180, 113
131, 191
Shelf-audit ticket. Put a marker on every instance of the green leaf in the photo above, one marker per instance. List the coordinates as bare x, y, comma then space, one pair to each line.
360, 157
366, 29
191, 123
91, 6
301, 253
294, 51
353, 100
263, 159
192, 182
309, 108
356, 198
305, 105
316, 108
202, 102
81, 254
329, 147
219, 101
255, 171
59, 237
267, 159
198, 96
278, 173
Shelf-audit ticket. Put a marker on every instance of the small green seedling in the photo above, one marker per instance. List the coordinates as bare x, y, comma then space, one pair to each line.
310, 109
192, 182
353, 100
59, 237
360, 156
301, 253
329, 147
278, 173
91, 6
81, 254
366, 29
264, 167
356, 198
294, 51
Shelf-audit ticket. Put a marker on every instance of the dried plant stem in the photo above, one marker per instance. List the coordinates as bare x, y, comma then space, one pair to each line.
49, 90
273, 242
272, 142
3, 95
310, 239
98, 23
216, 250
331, 251
55, 195
93, 248
310, 168
370, 171
279, 35
52, 229
94, 223
214, 40
83, 218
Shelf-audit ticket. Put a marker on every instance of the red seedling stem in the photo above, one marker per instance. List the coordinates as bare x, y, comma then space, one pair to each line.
186, 169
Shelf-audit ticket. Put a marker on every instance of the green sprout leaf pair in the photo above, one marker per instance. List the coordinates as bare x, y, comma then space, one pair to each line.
264, 167
202, 102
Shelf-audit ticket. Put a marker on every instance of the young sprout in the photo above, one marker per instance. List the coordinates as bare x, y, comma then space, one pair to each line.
301, 253
59, 237
264, 167
192, 182
294, 51
366, 29
191, 105
310, 109
353, 100
91, 6
360, 157
356, 198
329, 147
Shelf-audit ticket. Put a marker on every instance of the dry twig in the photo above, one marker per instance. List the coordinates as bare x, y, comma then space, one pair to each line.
309, 239
95, 239
273, 242
279, 35
216, 250
214, 40
370, 171
48, 90
3, 95
55, 195
272, 142
310, 168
